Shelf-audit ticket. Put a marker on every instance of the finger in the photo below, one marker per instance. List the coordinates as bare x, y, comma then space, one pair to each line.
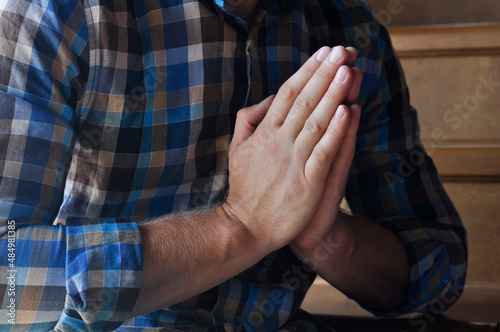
314, 91
353, 94
339, 172
248, 119
353, 55
318, 165
317, 123
289, 91
347, 149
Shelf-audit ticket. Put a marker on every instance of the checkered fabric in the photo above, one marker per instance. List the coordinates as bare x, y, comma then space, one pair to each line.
115, 111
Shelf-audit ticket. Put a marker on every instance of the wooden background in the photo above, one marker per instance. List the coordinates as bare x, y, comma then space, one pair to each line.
431, 12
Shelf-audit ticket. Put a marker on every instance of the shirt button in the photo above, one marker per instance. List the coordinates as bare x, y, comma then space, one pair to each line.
228, 327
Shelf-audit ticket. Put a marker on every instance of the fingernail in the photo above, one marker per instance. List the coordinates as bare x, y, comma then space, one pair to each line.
336, 55
340, 76
322, 54
339, 114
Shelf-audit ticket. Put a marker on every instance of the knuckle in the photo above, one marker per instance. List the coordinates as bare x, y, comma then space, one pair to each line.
262, 134
324, 73
302, 103
312, 125
310, 67
275, 120
321, 155
332, 96
242, 114
286, 91
334, 131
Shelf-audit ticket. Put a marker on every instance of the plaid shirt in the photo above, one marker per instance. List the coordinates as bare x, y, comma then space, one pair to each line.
114, 111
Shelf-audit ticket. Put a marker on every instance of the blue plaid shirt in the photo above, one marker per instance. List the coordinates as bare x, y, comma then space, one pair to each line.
114, 111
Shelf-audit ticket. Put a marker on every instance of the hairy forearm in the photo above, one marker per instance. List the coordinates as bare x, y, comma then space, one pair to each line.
364, 261
185, 255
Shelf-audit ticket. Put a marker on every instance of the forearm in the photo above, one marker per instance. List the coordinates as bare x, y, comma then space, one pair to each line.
185, 255
364, 261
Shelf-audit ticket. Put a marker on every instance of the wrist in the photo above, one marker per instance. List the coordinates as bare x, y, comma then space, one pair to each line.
333, 250
343, 237
342, 243
242, 234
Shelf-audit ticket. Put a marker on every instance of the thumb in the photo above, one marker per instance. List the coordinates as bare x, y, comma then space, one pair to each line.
247, 120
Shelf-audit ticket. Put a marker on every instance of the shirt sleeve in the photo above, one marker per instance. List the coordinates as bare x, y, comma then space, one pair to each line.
84, 275
394, 182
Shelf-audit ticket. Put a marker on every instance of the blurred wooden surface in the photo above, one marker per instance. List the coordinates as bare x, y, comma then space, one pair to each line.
429, 12
479, 206
467, 162
452, 40
443, 90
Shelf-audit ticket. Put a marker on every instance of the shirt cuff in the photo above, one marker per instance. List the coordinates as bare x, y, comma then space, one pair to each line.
103, 273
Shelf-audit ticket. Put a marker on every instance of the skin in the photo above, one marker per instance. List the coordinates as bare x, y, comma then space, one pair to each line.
288, 162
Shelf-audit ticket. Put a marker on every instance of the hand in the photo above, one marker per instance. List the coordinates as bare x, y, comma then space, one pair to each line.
319, 232
279, 160
320, 229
